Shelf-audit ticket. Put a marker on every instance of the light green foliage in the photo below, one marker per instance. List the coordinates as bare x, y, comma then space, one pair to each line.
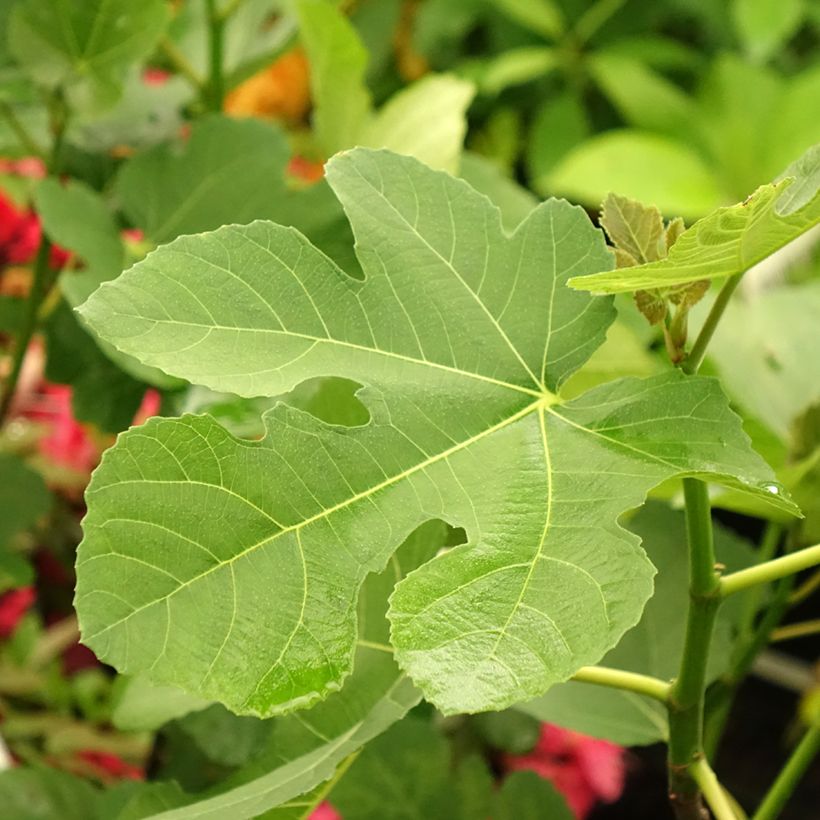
654, 646
425, 120
69, 43
763, 25
338, 62
760, 351
643, 166
688, 154
141, 705
729, 241
558, 126
460, 368
645, 98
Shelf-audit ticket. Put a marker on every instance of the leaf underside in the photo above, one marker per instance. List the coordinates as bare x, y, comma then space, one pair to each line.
244, 559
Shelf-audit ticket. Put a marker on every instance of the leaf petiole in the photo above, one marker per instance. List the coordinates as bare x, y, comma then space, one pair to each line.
714, 793
770, 570
693, 361
619, 679
787, 780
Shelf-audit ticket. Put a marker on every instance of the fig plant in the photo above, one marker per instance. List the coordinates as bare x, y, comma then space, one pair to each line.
232, 569
433, 506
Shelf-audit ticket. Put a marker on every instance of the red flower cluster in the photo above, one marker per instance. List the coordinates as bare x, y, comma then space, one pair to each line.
585, 770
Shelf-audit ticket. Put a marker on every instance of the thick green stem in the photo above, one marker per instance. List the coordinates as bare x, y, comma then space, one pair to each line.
786, 782
698, 351
618, 679
686, 697
770, 570
216, 81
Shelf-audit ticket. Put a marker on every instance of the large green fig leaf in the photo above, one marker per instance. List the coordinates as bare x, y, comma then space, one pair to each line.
244, 558
730, 240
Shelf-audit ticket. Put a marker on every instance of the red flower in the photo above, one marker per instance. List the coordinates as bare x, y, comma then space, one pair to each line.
110, 766
155, 76
13, 605
324, 811
19, 234
583, 769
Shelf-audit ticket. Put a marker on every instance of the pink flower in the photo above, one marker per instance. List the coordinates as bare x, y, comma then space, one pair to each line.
13, 605
585, 770
67, 443
324, 811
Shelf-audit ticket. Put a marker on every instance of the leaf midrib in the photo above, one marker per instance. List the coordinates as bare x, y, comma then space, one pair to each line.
539, 394
318, 517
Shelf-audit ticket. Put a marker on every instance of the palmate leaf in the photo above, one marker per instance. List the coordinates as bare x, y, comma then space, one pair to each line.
243, 559
730, 240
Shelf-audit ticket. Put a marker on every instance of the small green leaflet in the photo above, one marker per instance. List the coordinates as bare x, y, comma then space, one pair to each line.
730, 240
461, 334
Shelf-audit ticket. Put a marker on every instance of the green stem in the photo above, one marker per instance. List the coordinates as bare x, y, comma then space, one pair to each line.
698, 351
43, 278
686, 697
40, 286
618, 679
786, 782
807, 588
216, 82
714, 793
799, 630
26, 140
770, 570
